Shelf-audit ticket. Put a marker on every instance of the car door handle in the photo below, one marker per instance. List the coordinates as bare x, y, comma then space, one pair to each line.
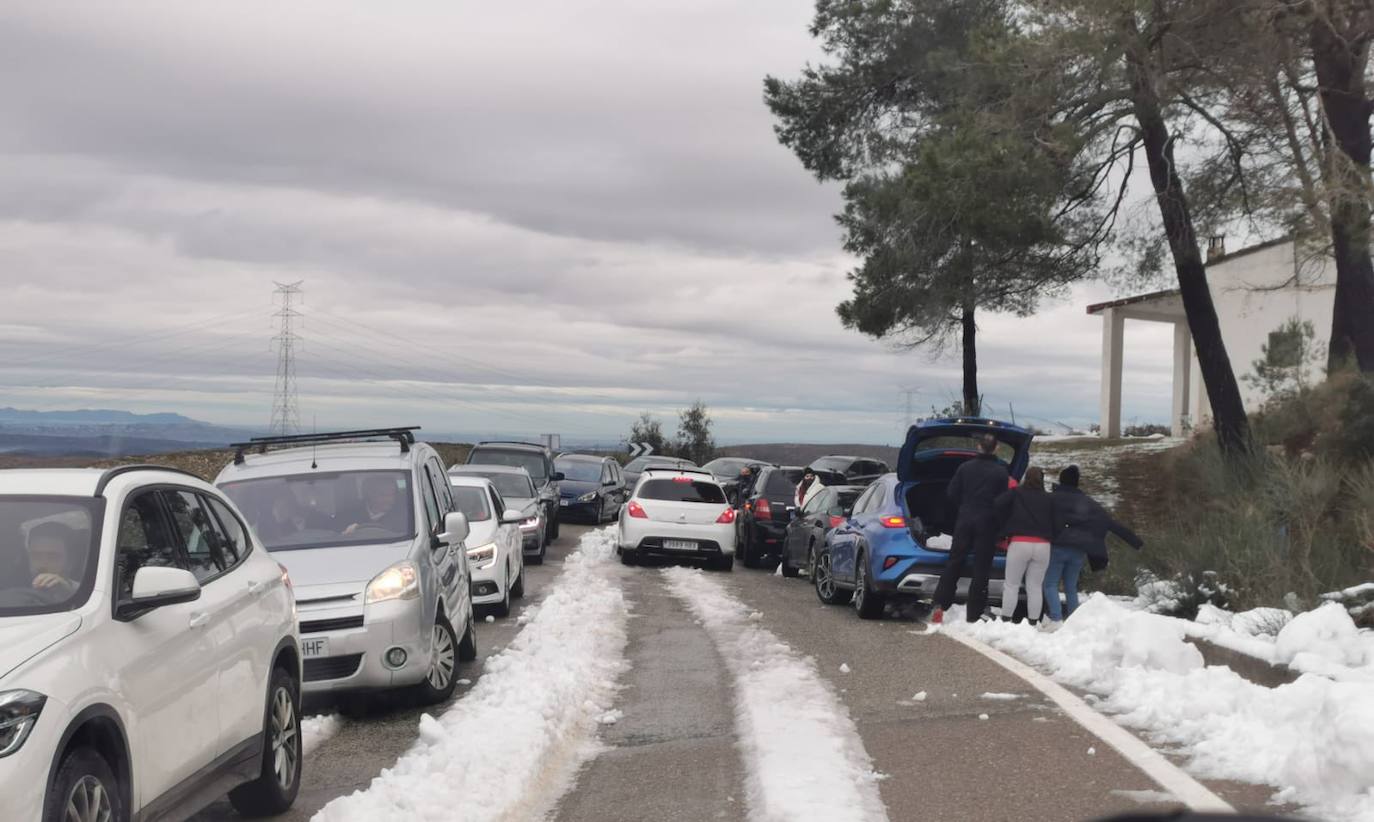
199, 619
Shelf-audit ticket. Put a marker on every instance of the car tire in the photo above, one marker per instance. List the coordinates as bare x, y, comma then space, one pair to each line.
725, 563
823, 580
502, 608
788, 569
275, 789
553, 525
442, 676
467, 646
867, 602
517, 588
84, 775
628, 557
746, 549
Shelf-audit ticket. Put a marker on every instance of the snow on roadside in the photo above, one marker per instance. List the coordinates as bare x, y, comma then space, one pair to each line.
316, 730
1313, 740
802, 751
510, 746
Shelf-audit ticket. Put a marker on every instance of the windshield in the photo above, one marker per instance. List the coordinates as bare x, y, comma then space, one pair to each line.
47, 553
580, 470
840, 464
473, 502
531, 461
509, 486
727, 466
681, 489
327, 508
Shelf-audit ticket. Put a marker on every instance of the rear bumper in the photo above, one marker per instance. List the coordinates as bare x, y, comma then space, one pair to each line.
769, 536
653, 546
919, 578
923, 585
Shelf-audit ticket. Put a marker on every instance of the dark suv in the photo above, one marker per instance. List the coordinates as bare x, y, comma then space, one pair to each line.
764, 514
854, 470
538, 461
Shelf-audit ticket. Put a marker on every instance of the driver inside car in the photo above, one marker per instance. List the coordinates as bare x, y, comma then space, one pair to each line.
50, 549
380, 508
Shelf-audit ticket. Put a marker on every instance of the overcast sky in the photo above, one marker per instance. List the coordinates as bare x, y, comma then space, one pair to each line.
514, 217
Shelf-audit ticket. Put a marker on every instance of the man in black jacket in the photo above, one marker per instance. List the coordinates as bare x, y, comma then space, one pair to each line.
976, 484
1081, 525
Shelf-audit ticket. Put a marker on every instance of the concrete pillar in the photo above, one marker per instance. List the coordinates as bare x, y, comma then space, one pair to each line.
1183, 378
1113, 326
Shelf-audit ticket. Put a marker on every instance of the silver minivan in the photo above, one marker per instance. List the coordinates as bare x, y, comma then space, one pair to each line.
365, 524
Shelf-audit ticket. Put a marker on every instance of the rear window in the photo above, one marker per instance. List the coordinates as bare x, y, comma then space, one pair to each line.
1005, 452
848, 498
840, 464
681, 490
532, 461
779, 485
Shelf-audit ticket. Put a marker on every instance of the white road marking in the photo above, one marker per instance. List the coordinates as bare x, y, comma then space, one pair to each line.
1168, 775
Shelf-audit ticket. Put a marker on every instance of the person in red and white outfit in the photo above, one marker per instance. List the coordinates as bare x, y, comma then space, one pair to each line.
1026, 517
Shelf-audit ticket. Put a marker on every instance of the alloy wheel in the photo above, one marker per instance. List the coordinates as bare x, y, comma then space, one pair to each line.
441, 670
285, 739
88, 802
860, 583
820, 572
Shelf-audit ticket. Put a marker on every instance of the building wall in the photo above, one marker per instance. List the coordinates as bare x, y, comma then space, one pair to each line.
1302, 288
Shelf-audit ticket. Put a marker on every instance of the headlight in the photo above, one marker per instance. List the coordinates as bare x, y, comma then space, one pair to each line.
400, 581
483, 556
19, 712
587, 497
529, 524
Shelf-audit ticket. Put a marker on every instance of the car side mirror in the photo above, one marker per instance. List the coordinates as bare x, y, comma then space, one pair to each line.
512, 516
455, 528
557, 476
156, 587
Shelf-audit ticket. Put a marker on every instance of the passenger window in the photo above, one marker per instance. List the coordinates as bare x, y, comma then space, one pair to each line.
236, 542
204, 546
431, 501
497, 504
817, 503
441, 487
862, 506
143, 541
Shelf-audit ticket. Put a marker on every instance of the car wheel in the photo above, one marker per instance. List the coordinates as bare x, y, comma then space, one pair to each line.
502, 608
467, 646
867, 602
824, 580
440, 680
724, 563
553, 525
788, 569
517, 589
84, 788
628, 557
275, 789
747, 549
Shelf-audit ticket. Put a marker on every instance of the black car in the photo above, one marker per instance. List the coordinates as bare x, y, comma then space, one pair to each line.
806, 531
854, 470
636, 466
591, 486
764, 513
538, 461
726, 471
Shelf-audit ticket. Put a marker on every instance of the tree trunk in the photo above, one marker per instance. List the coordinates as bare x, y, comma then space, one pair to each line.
1228, 411
1340, 59
973, 404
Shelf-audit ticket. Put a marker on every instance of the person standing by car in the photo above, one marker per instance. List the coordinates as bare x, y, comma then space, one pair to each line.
1026, 515
975, 486
809, 487
1080, 535
744, 485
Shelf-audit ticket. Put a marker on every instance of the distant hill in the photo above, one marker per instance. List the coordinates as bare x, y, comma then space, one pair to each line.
93, 416
791, 453
108, 432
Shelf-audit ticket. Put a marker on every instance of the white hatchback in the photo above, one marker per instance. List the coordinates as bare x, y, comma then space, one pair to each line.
149, 654
494, 550
680, 513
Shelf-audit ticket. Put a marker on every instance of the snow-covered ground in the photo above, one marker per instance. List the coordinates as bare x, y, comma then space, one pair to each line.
510, 747
1312, 740
316, 730
804, 756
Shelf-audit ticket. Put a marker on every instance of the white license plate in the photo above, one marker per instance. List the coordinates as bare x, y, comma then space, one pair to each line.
315, 646
678, 545
563, 503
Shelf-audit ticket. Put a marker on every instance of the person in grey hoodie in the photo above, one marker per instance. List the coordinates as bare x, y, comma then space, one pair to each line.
1081, 526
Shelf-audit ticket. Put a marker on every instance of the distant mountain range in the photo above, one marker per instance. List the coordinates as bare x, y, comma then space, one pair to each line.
108, 433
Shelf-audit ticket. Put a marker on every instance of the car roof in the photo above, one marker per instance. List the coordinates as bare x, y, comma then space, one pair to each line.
461, 481
695, 472
582, 458
499, 445
487, 468
344, 456
83, 482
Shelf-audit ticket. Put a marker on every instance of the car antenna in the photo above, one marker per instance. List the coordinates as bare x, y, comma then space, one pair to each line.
314, 424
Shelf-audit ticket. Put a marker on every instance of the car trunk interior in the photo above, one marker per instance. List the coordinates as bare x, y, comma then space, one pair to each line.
925, 497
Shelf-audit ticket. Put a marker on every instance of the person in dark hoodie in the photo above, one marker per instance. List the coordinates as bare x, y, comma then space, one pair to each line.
1080, 535
1026, 517
975, 486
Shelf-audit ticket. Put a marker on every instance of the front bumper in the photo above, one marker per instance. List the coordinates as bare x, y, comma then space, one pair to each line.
489, 582
357, 646
570, 507
29, 767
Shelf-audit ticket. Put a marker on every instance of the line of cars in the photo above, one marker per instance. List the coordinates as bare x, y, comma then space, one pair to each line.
158, 633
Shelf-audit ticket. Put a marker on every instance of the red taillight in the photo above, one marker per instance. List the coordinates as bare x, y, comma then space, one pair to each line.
682, 479
726, 517
763, 509
835, 521
893, 522
636, 510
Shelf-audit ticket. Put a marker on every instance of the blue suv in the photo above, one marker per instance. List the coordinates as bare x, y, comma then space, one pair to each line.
884, 549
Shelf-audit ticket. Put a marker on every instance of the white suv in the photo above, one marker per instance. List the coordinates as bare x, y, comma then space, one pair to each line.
148, 650
678, 512
365, 522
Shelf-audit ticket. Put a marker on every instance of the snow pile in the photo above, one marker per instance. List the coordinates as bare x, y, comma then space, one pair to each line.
1313, 739
511, 745
316, 730
1358, 600
1326, 641
804, 755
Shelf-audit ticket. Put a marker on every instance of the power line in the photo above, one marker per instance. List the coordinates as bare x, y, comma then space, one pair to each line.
286, 413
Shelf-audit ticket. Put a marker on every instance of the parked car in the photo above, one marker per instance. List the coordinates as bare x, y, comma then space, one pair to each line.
149, 658
763, 517
882, 550
375, 547
852, 470
807, 527
726, 471
517, 492
592, 487
634, 467
493, 542
680, 513
535, 459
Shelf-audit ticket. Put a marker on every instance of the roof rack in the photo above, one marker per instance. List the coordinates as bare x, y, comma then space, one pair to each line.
538, 445
119, 470
405, 436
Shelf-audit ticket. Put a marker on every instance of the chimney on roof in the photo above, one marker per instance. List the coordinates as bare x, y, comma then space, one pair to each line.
1216, 247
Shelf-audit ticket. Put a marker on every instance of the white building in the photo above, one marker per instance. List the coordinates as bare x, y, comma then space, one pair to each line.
1256, 290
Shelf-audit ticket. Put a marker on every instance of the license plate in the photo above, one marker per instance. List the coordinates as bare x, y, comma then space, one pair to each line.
563, 503
678, 545
316, 646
